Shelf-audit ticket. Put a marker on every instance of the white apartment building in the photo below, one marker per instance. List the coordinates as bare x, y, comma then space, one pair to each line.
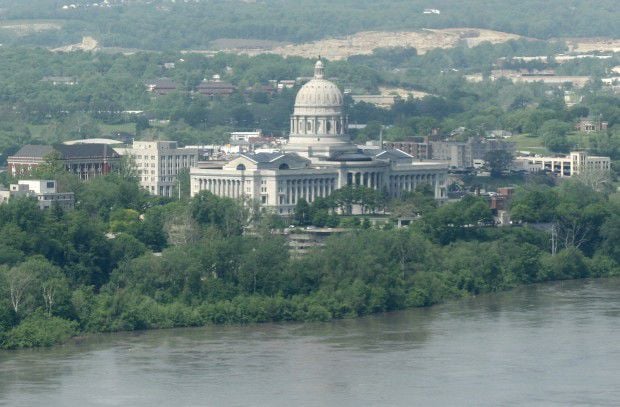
158, 163
577, 162
44, 191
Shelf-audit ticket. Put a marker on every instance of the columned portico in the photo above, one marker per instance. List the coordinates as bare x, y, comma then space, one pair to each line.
318, 160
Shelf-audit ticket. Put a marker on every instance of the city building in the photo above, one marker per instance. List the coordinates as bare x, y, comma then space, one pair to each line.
577, 162
419, 150
44, 191
591, 125
215, 88
158, 163
84, 160
302, 241
244, 135
318, 159
162, 86
463, 154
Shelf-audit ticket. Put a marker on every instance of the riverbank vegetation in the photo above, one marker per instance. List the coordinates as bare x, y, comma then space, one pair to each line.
207, 260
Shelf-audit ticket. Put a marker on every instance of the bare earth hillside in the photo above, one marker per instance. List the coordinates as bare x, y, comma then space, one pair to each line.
364, 43
584, 45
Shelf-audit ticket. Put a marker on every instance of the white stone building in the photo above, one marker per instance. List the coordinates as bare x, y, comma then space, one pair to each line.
577, 162
318, 159
44, 191
158, 162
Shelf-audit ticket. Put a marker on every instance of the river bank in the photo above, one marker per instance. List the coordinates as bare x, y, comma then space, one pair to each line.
529, 346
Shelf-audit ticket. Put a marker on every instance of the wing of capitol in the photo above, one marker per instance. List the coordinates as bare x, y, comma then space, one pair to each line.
318, 159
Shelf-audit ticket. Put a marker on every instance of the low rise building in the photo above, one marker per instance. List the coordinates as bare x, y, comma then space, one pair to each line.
577, 162
591, 125
244, 135
44, 191
215, 88
302, 241
162, 86
418, 150
87, 161
463, 154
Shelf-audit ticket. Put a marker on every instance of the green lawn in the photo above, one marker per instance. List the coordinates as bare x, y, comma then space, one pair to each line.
525, 142
491, 184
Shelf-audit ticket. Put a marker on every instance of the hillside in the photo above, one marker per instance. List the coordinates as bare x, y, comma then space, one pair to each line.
363, 43
167, 25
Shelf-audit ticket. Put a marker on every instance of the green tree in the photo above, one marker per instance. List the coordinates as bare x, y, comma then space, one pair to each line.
302, 214
498, 161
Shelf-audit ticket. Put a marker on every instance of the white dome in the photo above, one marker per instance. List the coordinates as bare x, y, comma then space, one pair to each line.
318, 126
319, 92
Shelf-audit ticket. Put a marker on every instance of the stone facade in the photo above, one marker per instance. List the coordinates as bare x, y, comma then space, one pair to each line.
318, 159
158, 163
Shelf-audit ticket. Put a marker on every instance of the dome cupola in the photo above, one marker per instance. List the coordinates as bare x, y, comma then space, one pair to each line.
319, 93
318, 122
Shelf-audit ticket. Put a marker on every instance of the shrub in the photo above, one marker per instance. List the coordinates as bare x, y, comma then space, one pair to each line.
39, 330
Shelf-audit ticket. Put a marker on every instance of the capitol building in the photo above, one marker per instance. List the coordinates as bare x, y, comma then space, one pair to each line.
318, 159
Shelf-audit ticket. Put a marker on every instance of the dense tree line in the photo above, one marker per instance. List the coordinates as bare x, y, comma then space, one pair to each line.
167, 25
125, 261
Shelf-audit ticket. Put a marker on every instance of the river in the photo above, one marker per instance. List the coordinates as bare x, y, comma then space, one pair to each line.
546, 345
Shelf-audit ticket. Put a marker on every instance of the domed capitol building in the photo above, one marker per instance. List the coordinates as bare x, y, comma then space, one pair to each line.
318, 159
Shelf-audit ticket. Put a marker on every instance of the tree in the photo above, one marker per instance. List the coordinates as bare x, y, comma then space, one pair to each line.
20, 281
225, 214
183, 183
534, 203
78, 126
53, 285
498, 161
181, 228
554, 134
413, 203
302, 212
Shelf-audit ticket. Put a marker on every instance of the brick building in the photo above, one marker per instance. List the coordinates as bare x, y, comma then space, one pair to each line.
84, 160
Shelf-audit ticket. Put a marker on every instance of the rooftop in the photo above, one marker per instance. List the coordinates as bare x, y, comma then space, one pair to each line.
66, 151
